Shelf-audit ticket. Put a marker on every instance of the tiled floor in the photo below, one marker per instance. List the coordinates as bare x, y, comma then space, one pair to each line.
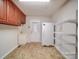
34, 51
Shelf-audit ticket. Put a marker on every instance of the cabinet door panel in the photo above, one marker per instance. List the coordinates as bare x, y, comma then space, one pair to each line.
10, 13
17, 16
23, 19
3, 9
13, 14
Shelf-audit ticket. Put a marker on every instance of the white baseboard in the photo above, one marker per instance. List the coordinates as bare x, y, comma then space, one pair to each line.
8, 52
60, 52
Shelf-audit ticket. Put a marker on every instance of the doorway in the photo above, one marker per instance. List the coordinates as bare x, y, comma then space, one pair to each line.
36, 32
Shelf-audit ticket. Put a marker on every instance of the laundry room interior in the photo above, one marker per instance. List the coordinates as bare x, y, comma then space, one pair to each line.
38, 29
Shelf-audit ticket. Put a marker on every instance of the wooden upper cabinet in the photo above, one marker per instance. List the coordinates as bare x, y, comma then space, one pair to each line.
14, 14
10, 14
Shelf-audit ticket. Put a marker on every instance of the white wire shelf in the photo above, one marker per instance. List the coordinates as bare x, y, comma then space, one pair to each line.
69, 43
73, 43
66, 34
67, 21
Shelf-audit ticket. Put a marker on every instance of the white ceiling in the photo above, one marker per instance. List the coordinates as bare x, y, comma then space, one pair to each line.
40, 9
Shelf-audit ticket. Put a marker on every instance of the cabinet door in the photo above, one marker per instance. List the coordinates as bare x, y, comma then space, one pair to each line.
23, 19
11, 13
2, 11
17, 16
5, 9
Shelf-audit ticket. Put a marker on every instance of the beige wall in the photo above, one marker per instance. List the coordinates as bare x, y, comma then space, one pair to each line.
8, 39
66, 12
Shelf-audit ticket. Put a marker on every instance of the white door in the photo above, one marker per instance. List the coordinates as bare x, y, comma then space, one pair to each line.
47, 34
35, 36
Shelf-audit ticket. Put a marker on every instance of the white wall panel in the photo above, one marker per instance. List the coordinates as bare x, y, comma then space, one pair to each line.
8, 39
